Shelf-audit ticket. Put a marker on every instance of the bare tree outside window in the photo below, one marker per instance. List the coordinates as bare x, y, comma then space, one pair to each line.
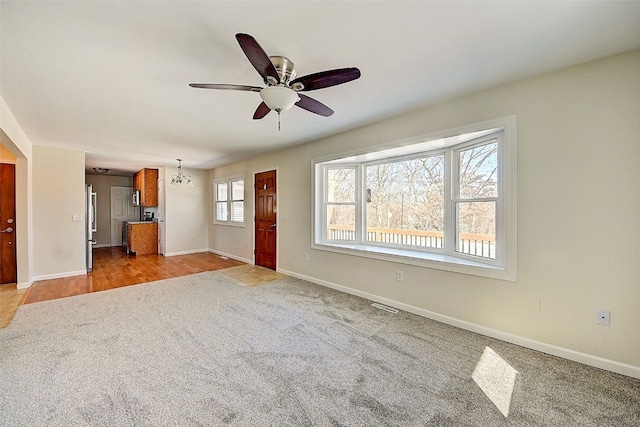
341, 204
406, 204
476, 202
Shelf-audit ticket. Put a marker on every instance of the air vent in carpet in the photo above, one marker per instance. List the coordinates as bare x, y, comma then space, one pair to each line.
385, 308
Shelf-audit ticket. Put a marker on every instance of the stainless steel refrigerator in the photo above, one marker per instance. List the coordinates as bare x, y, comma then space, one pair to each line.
91, 223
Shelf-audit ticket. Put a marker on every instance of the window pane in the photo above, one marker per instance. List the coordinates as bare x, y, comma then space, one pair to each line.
476, 234
237, 211
341, 185
341, 222
221, 211
479, 171
237, 190
221, 191
405, 202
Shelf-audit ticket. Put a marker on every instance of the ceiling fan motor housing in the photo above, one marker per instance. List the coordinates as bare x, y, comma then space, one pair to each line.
285, 67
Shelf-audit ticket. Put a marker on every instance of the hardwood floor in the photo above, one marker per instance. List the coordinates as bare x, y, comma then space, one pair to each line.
112, 268
10, 298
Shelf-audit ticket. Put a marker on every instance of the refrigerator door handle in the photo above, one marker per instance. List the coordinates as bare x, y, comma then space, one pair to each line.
94, 212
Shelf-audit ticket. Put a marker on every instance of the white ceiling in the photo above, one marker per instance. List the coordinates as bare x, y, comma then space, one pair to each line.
111, 78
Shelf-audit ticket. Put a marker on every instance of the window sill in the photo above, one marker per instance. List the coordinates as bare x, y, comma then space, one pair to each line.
421, 259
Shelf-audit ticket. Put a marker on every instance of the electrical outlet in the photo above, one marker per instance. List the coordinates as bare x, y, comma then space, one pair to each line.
306, 256
603, 317
399, 276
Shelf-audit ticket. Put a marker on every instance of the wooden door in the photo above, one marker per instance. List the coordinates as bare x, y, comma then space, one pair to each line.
122, 209
8, 270
265, 221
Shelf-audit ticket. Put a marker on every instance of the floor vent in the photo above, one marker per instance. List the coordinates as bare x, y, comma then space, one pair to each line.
223, 257
385, 308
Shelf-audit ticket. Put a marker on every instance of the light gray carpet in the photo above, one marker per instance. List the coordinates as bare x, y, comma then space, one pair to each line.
202, 350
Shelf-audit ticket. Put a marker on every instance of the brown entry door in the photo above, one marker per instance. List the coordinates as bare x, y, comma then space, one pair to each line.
265, 187
7, 223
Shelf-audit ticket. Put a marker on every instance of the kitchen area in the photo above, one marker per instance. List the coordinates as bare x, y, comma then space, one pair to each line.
141, 237
167, 219
122, 211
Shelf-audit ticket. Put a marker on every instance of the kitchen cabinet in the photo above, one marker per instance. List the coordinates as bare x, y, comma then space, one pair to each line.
142, 237
146, 182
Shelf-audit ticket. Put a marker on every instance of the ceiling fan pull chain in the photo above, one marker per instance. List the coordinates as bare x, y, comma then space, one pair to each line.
278, 120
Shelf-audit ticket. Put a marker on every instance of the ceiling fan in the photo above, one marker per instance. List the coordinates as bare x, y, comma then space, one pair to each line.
283, 89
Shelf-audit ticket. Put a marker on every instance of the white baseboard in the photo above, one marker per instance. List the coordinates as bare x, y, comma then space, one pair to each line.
565, 353
189, 252
24, 285
237, 258
104, 245
58, 275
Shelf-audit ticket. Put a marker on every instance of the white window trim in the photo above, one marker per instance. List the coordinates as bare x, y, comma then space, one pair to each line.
228, 181
506, 227
325, 202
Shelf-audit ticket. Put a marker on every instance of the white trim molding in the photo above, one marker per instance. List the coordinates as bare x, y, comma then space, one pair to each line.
189, 252
58, 275
24, 285
226, 255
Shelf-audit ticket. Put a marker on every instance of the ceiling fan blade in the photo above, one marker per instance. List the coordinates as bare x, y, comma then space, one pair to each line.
327, 78
225, 87
310, 104
261, 111
257, 57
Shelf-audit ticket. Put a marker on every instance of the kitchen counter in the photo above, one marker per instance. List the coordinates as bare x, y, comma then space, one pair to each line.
142, 237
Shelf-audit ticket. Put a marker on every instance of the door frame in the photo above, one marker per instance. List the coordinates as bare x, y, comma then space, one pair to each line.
253, 216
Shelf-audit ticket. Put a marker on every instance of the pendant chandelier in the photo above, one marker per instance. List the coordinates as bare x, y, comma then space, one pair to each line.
181, 180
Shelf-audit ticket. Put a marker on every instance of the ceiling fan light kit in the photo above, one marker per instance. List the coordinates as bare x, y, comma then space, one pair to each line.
279, 98
279, 75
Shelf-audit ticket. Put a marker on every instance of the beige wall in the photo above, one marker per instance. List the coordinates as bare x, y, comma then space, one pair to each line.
578, 209
233, 241
58, 195
14, 139
186, 213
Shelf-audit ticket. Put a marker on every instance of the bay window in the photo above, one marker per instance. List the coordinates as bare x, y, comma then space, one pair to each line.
442, 201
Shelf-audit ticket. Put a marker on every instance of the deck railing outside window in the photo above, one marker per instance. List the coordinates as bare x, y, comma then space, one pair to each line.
481, 245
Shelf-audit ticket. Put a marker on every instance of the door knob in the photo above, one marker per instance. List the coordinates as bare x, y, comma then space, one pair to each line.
7, 230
